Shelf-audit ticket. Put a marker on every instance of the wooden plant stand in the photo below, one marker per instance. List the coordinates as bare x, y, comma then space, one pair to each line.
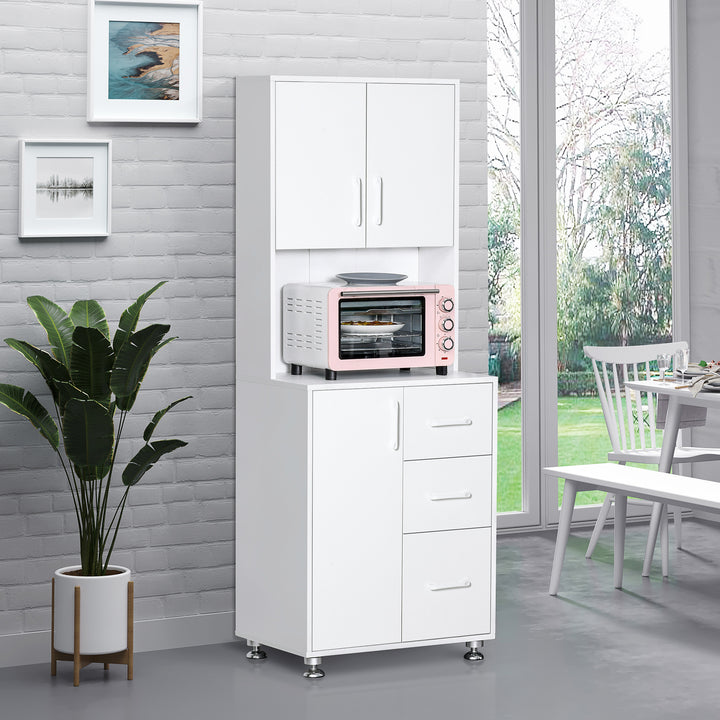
122, 657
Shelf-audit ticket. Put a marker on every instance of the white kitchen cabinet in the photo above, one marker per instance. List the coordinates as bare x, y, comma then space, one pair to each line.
364, 164
371, 542
365, 507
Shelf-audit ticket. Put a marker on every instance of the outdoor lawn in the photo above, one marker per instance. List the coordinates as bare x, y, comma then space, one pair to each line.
583, 438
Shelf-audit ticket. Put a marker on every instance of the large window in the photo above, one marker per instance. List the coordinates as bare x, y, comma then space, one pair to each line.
585, 259
504, 250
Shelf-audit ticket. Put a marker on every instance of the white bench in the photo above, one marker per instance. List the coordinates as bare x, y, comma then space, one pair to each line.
625, 481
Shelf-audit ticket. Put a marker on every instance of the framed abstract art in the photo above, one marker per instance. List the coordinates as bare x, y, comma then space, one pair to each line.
65, 188
145, 61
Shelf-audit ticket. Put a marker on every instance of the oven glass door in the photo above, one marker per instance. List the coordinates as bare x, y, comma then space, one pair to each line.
381, 327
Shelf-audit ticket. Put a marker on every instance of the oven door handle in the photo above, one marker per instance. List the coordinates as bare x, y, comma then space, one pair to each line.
388, 292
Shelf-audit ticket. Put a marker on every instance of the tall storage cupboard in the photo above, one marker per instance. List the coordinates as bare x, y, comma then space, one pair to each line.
366, 505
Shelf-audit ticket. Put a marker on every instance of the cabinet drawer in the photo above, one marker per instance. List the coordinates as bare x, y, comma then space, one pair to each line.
446, 584
447, 494
448, 421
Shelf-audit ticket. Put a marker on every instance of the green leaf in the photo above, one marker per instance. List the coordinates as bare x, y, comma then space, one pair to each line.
129, 319
52, 371
91, 362
68, 391
89, 313
163, 344
24, 403
57, 324
147, 456
132, 361
158, 416
88, 474
130, 401
88, 433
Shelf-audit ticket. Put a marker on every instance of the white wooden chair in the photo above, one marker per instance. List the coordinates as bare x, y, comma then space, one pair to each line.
631, 424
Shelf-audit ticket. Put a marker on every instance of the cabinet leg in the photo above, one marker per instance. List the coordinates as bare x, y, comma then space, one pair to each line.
255, 653
313, 672
473, 654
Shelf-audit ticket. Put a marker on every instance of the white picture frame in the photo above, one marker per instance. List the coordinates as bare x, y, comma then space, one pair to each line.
145, 61
65, 188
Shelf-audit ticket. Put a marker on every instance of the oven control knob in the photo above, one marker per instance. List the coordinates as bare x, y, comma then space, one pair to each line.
447, 343
446, 304
447, 324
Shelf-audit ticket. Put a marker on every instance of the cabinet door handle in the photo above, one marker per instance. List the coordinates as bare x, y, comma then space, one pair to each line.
460, 586
396, 444
379, 184
359, 213
461, 496
450, 423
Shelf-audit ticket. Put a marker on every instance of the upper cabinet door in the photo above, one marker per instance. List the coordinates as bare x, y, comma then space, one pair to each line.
411, 165
319, 165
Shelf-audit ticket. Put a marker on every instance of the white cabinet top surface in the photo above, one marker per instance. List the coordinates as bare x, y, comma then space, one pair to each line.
380, 378
315, 78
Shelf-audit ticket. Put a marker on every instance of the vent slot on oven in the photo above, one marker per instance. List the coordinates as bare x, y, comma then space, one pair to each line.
305, 323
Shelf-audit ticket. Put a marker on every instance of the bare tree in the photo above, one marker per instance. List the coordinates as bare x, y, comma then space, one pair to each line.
605, 86
602, 84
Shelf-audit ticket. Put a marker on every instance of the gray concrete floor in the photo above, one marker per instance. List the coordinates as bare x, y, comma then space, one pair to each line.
649, 651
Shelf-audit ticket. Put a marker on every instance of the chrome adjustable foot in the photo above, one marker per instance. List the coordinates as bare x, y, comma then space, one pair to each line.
473, 654
313, 672
255, 653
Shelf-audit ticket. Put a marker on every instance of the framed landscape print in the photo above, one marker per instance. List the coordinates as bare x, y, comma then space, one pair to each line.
64, 188
145, 61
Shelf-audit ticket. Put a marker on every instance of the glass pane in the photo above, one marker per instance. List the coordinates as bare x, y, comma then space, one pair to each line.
504, 241
613, 201
382, 327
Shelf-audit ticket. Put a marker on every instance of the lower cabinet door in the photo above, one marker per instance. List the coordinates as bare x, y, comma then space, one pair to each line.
356, 518
446, 584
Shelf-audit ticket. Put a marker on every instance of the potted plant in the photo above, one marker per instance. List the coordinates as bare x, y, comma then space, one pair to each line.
93, 383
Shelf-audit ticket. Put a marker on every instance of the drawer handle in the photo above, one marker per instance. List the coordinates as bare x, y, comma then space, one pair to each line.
460, 586
450, 423
462, 496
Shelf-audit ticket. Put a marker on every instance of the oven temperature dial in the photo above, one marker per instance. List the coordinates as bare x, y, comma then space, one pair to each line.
447, 324
446, 305
446, 343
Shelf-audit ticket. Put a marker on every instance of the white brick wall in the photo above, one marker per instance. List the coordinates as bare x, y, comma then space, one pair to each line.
173, 216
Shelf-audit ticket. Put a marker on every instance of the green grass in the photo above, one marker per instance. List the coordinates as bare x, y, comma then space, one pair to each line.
582, 438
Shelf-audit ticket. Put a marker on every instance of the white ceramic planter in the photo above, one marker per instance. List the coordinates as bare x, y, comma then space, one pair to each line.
103, 611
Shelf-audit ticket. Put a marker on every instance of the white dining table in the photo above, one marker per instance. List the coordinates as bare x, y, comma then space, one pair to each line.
678, 394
